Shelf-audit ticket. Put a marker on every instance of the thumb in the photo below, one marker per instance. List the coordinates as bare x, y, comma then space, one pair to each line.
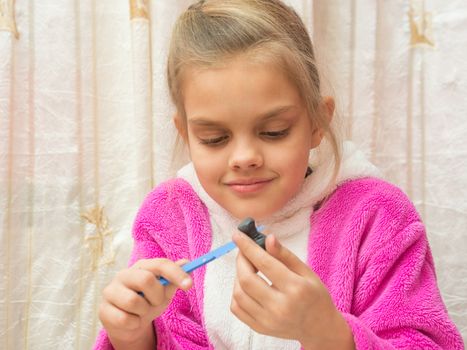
284, 255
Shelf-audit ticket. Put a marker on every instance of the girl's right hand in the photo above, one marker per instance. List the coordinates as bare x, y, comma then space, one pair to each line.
126, 315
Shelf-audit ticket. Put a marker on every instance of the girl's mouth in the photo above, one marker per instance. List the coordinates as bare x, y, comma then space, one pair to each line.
249, 186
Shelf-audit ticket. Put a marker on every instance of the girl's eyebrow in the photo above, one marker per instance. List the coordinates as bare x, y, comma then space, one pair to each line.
201, 121
276, 111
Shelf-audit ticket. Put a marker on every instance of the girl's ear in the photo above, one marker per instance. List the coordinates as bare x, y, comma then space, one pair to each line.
328, 106
181, 126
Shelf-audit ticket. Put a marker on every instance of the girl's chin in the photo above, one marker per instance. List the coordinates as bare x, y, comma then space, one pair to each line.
257, 215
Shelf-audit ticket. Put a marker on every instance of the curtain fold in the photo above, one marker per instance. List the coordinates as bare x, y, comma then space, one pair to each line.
86, 131
6, 175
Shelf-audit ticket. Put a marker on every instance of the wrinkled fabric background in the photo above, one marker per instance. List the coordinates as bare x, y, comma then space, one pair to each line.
85, 133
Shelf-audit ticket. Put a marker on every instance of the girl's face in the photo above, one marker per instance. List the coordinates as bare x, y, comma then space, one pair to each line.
249, 136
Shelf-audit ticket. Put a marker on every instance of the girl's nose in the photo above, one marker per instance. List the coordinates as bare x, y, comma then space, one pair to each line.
245, 156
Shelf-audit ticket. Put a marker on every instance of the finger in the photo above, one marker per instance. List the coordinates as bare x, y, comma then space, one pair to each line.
247, 311
182, 262
279, 274
124, 298
114, 318
241, 300
147, 285
252, 284
284, 255
252, 317
242, 315
170, 270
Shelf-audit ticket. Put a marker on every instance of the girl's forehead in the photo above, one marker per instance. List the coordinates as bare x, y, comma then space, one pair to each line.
250, 94
252, 76
238, 70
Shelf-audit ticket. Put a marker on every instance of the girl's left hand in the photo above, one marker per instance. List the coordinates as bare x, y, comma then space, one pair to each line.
295, 306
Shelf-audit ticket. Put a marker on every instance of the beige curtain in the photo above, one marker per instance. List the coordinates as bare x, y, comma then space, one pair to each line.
85, 132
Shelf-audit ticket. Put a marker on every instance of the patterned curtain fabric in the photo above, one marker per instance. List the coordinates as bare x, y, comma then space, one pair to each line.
86, 132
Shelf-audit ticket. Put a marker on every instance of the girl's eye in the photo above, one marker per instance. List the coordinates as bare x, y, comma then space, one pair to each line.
215, 141
275, 134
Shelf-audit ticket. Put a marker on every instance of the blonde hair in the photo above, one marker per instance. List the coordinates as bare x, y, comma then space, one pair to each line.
211, 32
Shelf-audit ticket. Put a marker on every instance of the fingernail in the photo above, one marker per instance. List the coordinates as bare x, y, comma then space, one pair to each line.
186, 283
276, 242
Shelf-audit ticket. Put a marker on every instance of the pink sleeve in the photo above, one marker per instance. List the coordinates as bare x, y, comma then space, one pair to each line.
397, 303
102, 341
159, 231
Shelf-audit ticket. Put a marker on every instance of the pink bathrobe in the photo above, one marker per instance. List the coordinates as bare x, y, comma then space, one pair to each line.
366, 243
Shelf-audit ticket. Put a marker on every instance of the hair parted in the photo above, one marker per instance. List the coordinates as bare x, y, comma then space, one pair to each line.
211, 32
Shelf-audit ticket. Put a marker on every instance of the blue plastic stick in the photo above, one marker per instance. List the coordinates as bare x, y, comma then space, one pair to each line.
212, 255
204, 259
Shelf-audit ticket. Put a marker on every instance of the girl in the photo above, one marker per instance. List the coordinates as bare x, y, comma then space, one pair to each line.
347, 264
